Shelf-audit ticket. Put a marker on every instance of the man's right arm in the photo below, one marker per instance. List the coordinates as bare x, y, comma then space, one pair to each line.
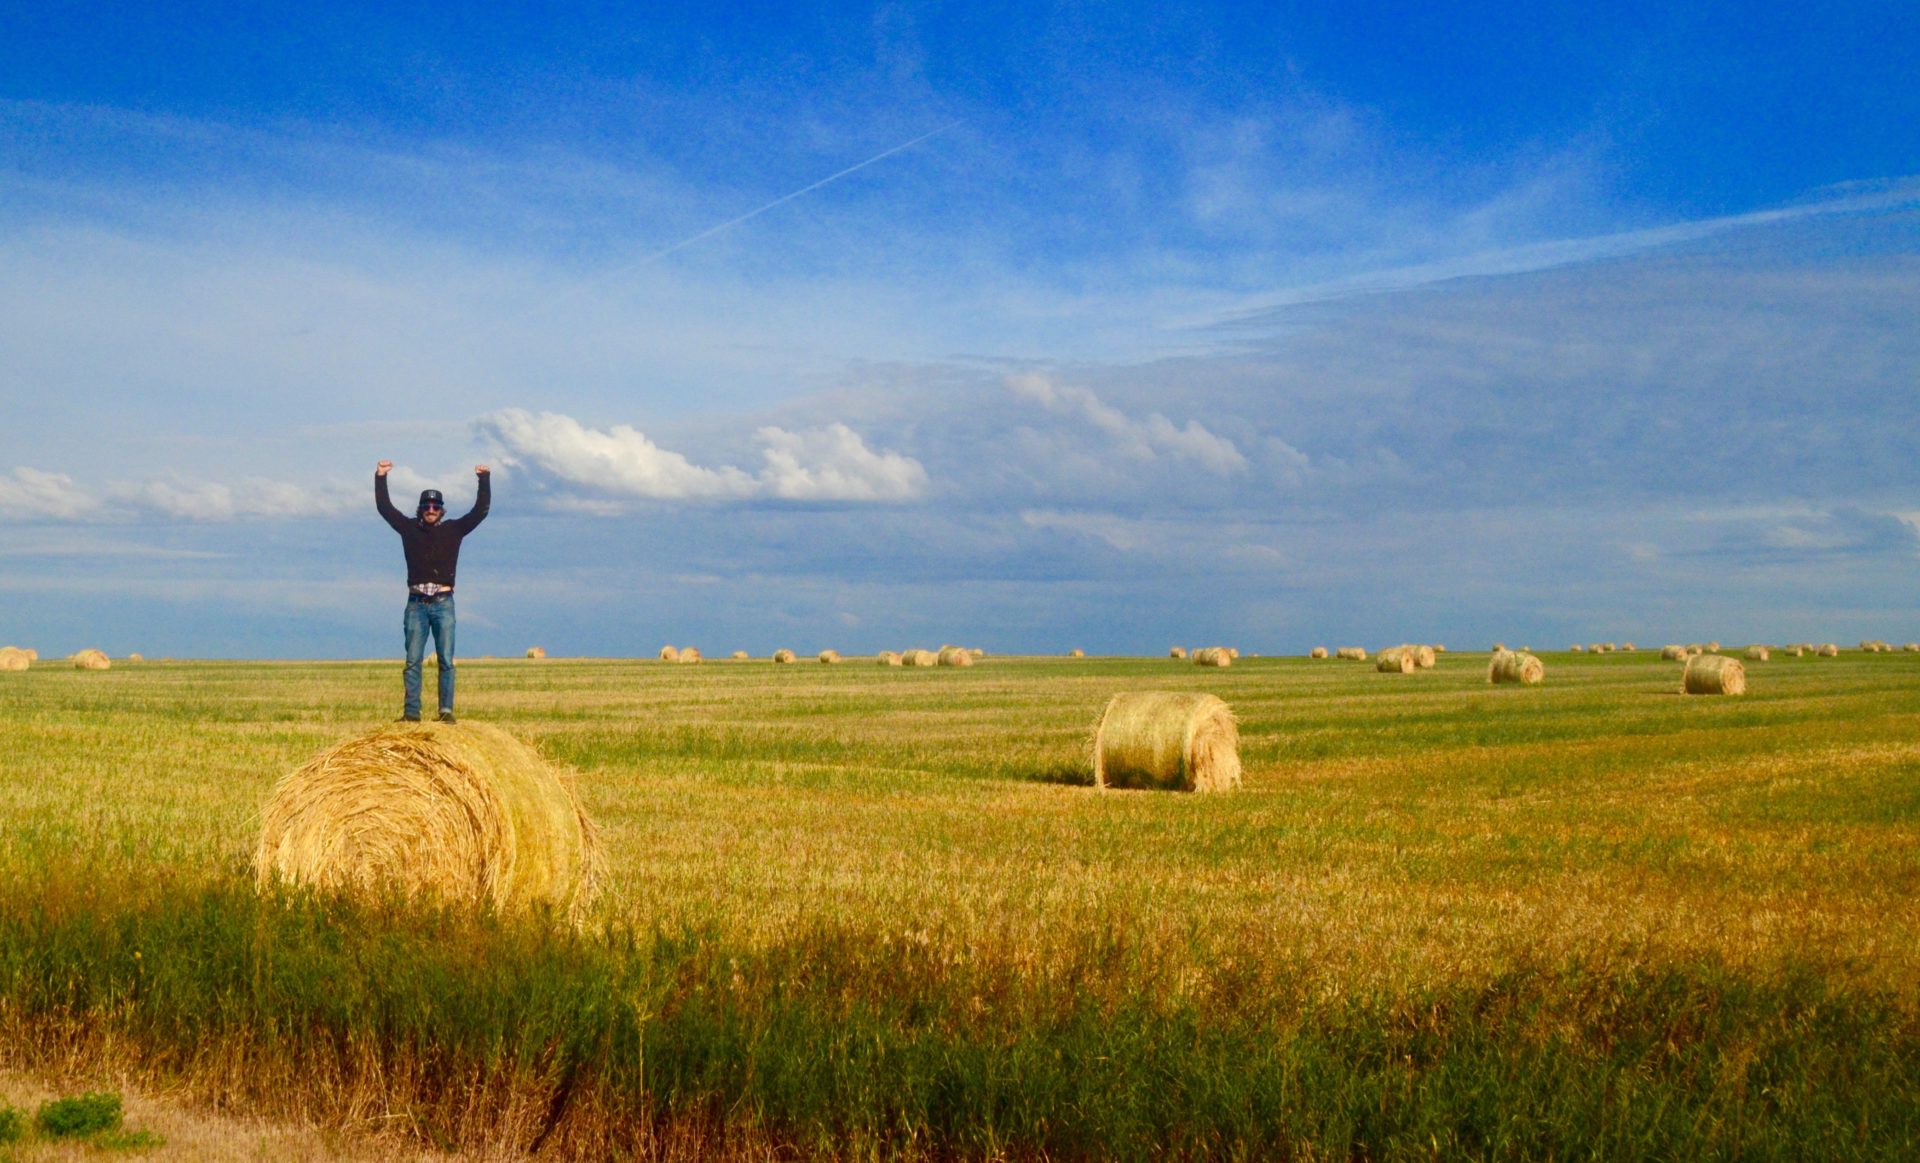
382, 501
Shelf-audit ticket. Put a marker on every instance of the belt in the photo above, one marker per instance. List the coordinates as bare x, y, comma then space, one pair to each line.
428, 592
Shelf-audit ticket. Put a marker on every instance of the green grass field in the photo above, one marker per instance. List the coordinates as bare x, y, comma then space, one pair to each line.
866, 912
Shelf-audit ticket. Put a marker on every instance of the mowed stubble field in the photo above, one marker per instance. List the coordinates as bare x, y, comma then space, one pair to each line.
861, 911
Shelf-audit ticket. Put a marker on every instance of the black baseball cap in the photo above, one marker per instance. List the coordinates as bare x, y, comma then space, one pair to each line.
431, 497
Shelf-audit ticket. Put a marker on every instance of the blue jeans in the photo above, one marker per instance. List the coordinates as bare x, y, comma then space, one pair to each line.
421, 619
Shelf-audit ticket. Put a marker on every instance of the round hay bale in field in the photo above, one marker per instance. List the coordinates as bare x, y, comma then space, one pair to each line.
1352, 653
1439, 649
1672, 653
740, 656
1396, 660
1233, 652
1828, 650
536, 652
1498, 647
91, 660
689, 654
1713, 646
919, 658
1177, 652
887, 658
669, 654
829, 656
12, 658
954, 656
1166, 740
1758, 653
462, 813
136, 656
1516, 666
1212, 656
784, 656
1714, 674
1076, 652
1912, 648
1425, 657
1628, 648
1575, 648
1317, 652
976, 652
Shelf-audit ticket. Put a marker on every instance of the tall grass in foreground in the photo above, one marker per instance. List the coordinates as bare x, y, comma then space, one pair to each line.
491, 1035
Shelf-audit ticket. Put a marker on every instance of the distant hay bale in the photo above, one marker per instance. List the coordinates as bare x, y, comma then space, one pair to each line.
1628, 648
1694, 648
1714, 674
13, 658
954, 656
1715, 645
689, 654
1425, 657
136, 656
1575, 648
919, 658
1177, 652
1166, 740
1318, 652
887, 658
1912, 648
1439, 649
1233, 652
1352, 653
1794, 651
976, 652
1215, 656
1498, 647
536, 652
1397, 660
32, 654
91, 659
829, 656
783, 656
741, 656
1076, 652
1758, 653
669, 654
1828, 650
1673, 653
460, 813
1516, 666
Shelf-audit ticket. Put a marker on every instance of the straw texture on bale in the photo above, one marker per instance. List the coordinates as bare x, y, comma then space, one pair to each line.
1076, 652
1425, 657
1233, 652
1177, 652
91, 660
741, 656
1516, 666
1714, 674
13, 659
1167, 740
536, 652
689, 654
1828, 650
1212, 656
1351, 653
1318, 652
1758, 653
919, 658
28, 652
887, 658
829, 656
954, 656
784, 656
461, 813
1794, 651
669, 654
1396, 660
1673, 653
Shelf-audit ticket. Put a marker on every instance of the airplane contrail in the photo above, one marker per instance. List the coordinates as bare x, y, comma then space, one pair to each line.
785, 198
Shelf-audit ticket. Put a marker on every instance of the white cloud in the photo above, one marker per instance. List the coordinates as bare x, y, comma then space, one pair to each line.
254, 497
831, 463
1119, 532
1142, 440
31, 493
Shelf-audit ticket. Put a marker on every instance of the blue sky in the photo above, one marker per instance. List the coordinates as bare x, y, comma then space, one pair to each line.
1264, 324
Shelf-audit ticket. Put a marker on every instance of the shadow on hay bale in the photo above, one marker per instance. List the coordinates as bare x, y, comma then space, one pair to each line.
1516, 667
462, 814
1167, 740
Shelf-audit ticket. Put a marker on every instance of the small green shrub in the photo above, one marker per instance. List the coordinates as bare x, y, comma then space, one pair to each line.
13, 1124
88, 1114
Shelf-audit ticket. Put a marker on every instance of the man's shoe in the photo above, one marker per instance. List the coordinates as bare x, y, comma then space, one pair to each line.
408, 719
447, 717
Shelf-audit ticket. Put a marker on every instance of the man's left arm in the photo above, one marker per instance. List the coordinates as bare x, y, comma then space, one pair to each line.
482, 501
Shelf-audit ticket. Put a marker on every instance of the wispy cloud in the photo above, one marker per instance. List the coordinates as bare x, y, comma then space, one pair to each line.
32, 494
1143, 440
831, 463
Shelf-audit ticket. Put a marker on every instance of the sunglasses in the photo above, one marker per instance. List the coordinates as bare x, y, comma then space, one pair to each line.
433, 507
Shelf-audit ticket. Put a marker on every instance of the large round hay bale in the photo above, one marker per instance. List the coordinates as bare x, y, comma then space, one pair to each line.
1714, 674
1396, 660
1425, 657
536, 652
669, 654
1673, 653
1076, 652
1516, 666
1167, 740
954, 656
829, 656
741, 656
1828, 650
1177, 652
689, 654
461, 813
919, 658
1758, 653
784, 655
1317, 652
1216, 656
91, 659
13, 658
887, 658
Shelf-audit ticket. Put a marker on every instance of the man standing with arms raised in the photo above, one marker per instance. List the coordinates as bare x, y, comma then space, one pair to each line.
432, 544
